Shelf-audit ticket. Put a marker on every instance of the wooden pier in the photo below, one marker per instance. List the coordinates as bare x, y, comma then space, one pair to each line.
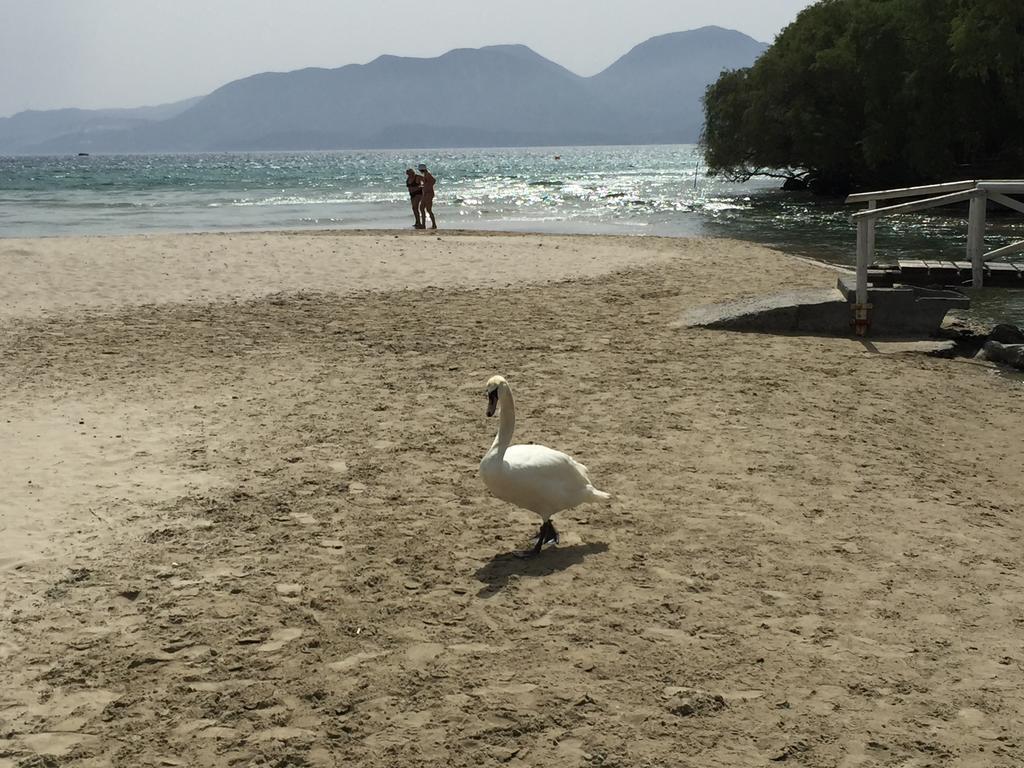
979, 269
953, 274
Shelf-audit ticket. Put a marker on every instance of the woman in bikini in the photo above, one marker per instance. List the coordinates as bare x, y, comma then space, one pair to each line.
427, 201
414, 184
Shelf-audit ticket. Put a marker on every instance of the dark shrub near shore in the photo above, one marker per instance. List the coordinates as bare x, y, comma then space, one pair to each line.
861, 94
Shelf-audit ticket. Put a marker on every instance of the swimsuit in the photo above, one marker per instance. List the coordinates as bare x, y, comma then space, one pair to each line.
428, 187
414, 188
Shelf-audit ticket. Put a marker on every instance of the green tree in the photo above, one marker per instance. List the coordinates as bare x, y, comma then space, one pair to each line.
870, 93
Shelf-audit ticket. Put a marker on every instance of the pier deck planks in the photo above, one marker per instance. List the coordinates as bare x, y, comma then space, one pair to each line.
998, 274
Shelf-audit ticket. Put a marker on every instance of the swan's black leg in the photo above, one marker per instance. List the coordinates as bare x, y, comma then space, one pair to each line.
543, 537
552, 533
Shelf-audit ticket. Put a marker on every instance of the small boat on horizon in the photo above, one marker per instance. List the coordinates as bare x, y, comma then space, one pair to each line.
83, 154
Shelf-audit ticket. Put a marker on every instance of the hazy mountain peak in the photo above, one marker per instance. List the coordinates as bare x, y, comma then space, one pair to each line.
694, 44
497, 95
514, 49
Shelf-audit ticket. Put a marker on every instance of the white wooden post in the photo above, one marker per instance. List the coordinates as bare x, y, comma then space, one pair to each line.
976, 237
860, 309
872, 205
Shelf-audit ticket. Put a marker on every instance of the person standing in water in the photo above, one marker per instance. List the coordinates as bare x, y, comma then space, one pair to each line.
427, 198
414, 184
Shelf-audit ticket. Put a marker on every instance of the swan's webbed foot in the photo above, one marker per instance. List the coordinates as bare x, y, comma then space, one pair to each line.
547, 533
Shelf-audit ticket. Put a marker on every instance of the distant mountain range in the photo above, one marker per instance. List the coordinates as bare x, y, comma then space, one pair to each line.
504, 95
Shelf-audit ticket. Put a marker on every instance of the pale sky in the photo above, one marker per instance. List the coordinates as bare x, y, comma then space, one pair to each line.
130, 53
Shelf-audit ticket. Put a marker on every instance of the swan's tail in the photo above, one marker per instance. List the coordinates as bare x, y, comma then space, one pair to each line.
596, 495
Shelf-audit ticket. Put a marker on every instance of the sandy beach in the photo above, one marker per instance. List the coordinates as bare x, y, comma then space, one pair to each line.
241, 522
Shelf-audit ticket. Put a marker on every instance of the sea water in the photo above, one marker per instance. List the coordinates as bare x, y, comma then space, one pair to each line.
647, 190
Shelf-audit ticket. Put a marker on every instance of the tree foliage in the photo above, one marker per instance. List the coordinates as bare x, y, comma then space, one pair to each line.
877, 93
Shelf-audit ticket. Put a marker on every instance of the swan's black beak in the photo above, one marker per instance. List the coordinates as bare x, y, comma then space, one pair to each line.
492, 402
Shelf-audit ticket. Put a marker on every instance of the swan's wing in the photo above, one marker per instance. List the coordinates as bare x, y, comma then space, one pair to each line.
543, 479
541, 460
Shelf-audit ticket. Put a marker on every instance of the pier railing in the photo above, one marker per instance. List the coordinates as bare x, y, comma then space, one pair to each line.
977, 192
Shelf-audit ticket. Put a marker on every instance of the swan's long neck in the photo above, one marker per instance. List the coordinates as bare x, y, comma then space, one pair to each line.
507, 425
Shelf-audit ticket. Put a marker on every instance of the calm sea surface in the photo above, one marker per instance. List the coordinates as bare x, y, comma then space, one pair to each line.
661, 190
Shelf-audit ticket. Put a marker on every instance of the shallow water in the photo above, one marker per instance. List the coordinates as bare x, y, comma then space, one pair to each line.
659, 190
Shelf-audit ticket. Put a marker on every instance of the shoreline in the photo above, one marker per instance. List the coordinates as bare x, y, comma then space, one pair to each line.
242, 517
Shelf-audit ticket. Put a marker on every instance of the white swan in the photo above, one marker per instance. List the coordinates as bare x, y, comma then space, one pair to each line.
534, 477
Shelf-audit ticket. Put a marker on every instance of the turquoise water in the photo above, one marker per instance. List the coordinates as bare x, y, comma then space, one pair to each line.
660, 190
628, 189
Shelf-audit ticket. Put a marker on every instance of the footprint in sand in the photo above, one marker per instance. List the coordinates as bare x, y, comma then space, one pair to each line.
512, 689
191, 726
470, 648
350, 662
279, 639
730, 697
680, 636
56, 744
218, 732
206, 728
212, 686
421, 654
283, 733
